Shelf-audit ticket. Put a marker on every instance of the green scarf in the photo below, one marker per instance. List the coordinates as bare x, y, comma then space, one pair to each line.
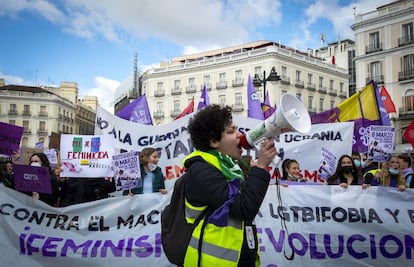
229, 168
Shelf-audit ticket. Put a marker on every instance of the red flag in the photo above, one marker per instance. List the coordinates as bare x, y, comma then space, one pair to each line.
386, 98
409, 133
188, 110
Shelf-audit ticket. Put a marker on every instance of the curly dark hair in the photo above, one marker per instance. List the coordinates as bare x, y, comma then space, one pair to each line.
208, 124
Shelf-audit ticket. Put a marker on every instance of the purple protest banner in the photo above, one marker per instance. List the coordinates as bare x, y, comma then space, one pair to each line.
10, 136
32, 179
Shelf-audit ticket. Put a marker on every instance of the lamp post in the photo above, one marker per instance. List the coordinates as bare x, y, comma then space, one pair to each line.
273, 77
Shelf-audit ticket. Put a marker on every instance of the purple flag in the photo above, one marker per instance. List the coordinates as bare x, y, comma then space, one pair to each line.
267, 99
204, 100
10, 136
254, 108
137, 111
267, 109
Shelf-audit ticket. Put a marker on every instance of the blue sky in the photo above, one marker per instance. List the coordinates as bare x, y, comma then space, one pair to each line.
93, 42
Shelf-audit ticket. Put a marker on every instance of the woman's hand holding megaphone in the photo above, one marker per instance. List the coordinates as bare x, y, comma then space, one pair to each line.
267, 152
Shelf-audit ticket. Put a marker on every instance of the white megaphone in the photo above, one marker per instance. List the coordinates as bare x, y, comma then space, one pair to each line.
290, 116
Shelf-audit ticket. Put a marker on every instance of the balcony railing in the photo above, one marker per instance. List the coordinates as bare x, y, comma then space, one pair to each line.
378, 79
406, 40
42, 131
221, 85
176, 91
373, 48
238, 82
159, 93
190, 89
342, 94
407, 74
310, 86
159, 114
237, 107
27, 131
333, 92
26, 113
284, 79
322, 89
299, 83
208, 86
174, 113
42, 114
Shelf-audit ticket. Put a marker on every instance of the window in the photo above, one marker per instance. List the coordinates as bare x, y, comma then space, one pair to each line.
12, 122
321, 100
222, 77
238, 99
284, 70
320, 81
160, 106
374, 41
407, 32
159, 86
206, 79
298, 75
332, 104
177, 105
222, 100
341, 87
42, 126
408, 64
177, 84
258, 71
310, 102
299, 96
191, 82
26, 109
310, 78
331, 84
375, 70
25, 125
239, 75
13, 108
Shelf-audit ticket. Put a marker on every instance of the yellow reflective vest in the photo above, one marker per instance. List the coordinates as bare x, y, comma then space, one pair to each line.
220, 246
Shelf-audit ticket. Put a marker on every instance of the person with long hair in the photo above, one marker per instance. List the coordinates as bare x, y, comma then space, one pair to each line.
346, 173
291, 171
389, 175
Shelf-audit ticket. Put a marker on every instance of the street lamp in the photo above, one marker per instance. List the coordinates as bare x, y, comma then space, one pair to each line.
273, 77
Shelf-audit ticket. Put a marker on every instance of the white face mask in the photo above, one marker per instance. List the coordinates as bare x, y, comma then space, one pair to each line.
36, 164
152, 166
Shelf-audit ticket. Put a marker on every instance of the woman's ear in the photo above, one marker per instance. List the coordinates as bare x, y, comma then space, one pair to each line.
214, 144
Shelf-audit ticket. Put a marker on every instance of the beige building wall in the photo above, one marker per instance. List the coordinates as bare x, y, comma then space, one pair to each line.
384, 43
170, 87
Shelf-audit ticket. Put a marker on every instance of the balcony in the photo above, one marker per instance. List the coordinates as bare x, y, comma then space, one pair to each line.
322, 89
406, 75
299, 83
221, 85
373, 48
311, 86
333, 92
342, 94
174, 113
42, 131
42, 114
159, 93
406, 40
26, 113
190, 89
208, 86
237, 107
312, 110
12, 112
27, 131
176, 91
159, 114
284, 79
238, 82
379, 79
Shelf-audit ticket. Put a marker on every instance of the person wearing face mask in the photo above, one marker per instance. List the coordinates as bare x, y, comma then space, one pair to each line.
390, 175
41, 160
346, 173
291, 171
152, 178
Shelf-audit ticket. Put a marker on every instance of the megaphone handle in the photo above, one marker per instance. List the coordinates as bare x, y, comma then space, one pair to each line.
258, 145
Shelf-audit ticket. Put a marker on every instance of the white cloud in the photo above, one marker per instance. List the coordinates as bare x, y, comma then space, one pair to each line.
104, 90
11, 79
